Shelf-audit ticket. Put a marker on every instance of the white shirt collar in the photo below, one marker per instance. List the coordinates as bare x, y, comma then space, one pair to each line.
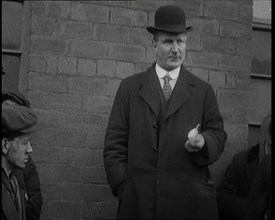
174, 74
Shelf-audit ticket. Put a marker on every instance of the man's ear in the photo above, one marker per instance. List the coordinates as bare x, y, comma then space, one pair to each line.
5, 146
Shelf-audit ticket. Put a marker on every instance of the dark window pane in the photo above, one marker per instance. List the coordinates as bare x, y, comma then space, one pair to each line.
11, 24
254, 133
259, 99
10, 65
261, 52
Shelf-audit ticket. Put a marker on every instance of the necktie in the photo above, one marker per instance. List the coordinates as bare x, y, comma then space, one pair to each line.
167, 89
14, 191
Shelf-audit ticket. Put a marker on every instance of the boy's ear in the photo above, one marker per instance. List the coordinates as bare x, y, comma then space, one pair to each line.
5, 145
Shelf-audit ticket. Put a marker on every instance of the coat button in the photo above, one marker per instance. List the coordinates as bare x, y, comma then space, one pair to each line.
156, 148
155, 125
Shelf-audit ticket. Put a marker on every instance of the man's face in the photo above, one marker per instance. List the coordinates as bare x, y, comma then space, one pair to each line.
170, 49
19, 150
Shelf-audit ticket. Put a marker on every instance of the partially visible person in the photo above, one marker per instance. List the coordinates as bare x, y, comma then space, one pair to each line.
244, 192
28, 179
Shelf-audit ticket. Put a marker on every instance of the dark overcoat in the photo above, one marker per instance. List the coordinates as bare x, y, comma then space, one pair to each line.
146, 163
29, 183
234, 194
8, 208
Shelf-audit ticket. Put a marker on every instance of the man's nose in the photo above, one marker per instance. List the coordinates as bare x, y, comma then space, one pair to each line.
175, 47
29, 148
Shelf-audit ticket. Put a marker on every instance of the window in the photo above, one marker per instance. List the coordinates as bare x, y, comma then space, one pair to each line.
260, 84
13, 44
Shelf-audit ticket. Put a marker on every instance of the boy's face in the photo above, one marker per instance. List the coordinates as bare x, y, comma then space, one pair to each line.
18, 151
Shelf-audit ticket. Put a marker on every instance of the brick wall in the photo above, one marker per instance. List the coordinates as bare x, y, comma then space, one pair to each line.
80, 51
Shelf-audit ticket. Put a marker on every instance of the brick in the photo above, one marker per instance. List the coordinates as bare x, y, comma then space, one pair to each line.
49, 155
86, 85
150, 54
98, 158
71, 173
37, 63
141, 67
111, 33
126, 52
234, 29
67, 65
57, 137
80, 156
243, 47
236, 131
106, 68
193, 42
124, 69
229, 98
95, 140
112, 87
220, 9
117, 3
63, 209
88, 49
77, 30
93, 175
43, 26
202, 59
149, 5
109, 210
217, 79
191, 8
218, 44
234, 114
91, 192
86, 67
244, 13
59, 9
204, 26
45, 45
38, 8
128, 17
40, 82
89, 13
235, 63
91, 210
51, 191
201, 73
51, 65
140, 36
97, 104
55, 101
50, 173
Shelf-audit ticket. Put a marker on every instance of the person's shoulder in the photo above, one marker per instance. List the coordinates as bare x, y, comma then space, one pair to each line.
249, 153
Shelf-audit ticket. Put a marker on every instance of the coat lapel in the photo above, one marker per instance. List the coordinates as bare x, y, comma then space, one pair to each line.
148, 90
181, 92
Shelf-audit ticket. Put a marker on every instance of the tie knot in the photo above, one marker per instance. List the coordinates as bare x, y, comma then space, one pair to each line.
167, 78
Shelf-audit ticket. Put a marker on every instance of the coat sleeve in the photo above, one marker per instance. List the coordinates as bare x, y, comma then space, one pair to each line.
116, 141
212, 131
230, 204
32, 183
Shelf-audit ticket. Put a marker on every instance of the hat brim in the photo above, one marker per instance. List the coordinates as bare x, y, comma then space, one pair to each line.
266, 129
153, 30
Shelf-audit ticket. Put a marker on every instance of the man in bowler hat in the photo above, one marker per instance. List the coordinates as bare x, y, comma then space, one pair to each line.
244, 192
153, 166
28, 179
18, 122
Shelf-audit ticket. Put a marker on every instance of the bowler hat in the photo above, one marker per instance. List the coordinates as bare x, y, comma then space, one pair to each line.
16, 97
169, 18
17, 119
266, 128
